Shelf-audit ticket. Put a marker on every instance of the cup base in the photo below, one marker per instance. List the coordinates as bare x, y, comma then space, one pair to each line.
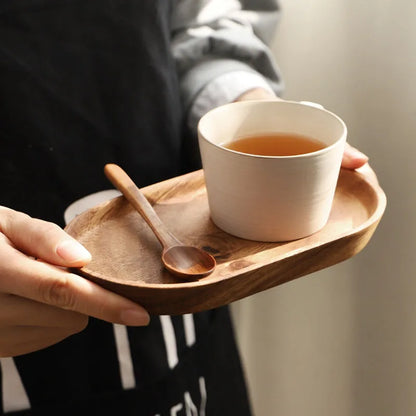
266, 236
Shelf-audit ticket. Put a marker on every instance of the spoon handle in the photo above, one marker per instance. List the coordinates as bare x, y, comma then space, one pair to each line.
119, 178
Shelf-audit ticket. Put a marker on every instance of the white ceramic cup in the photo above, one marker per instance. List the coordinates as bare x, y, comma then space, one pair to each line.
270, 198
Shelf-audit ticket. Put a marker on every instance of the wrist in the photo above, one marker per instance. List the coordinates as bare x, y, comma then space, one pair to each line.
257, 93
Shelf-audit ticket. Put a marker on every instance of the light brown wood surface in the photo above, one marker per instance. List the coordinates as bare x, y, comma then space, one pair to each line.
186, 262
126, 254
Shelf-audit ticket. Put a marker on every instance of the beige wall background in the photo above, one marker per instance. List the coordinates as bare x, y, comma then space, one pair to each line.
342, 342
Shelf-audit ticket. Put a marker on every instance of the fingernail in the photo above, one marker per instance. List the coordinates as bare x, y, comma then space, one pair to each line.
72, 251
135, 317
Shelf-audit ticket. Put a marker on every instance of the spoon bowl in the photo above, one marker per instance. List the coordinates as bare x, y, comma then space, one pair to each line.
187, 262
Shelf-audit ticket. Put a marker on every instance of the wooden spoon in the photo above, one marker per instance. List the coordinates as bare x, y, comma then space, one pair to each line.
187, 262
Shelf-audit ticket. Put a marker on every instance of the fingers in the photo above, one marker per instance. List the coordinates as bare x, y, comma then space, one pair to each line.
41, 303
42, 239
27, 326
23, 276
53, 286
19, 311
18, 340
257, 94
353, 158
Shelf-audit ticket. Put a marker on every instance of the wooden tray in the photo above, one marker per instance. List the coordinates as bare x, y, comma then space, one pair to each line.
126, 255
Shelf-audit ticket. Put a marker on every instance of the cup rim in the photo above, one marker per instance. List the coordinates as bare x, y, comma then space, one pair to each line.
342, 137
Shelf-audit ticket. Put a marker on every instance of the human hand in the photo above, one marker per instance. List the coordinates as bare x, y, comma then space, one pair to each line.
352, 158
41, 303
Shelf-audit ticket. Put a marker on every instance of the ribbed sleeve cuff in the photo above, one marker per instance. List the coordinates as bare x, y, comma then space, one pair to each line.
219, 83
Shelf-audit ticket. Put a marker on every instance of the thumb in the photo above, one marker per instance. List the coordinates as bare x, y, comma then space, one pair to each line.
353, 158
41, 239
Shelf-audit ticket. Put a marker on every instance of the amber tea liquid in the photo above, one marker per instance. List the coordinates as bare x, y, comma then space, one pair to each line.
276, 144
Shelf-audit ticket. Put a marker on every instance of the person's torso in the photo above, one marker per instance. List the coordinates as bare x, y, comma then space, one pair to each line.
84, 83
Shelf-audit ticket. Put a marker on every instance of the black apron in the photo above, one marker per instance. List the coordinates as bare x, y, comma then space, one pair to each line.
84, 83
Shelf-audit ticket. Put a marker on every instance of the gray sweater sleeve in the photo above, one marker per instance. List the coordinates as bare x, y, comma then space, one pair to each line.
220, 50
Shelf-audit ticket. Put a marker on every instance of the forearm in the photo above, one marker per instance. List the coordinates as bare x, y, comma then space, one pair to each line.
220, 54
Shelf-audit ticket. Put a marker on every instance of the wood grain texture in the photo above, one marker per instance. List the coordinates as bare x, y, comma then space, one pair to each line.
187, 262
126, 254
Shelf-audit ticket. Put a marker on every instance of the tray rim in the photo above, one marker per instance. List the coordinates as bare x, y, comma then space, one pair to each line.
372, 220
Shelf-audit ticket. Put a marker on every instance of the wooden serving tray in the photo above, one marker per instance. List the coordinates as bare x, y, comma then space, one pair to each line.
126, 255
